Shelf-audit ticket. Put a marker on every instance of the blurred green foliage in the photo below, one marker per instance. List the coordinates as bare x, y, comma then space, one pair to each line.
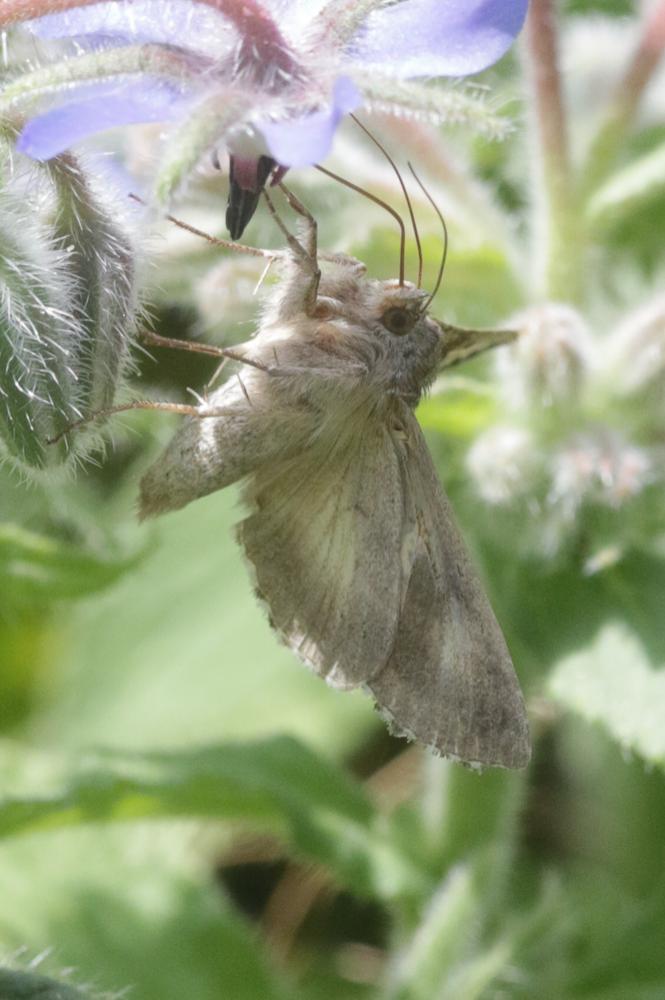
186, 812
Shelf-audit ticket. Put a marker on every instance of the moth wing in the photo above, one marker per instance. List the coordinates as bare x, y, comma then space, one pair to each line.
449, 681
324, 540
208, 453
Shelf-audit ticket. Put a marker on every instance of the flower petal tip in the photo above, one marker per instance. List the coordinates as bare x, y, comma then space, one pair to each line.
437, 37
299, 142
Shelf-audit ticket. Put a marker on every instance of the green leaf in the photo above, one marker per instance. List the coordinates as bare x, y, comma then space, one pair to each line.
457, 412
35, 568
447, 956
532, 600
276, 783
612, 682
440, 940
134, 912
179, 651
629, 188
478, 289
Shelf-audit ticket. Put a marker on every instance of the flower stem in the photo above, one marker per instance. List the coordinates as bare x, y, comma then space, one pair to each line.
626, 97
555, 226
154, 59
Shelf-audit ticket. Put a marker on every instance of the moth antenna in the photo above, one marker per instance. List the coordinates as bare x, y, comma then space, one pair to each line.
392, 163
438, 211
377, 201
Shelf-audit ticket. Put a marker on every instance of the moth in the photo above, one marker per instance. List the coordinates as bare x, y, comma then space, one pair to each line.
352, 542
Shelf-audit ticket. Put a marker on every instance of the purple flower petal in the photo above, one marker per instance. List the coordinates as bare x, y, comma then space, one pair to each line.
97, 107
189, 25
437, 37
298, 142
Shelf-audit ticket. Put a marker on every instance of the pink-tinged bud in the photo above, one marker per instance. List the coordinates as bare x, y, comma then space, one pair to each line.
502, 463
602, 468
550, 361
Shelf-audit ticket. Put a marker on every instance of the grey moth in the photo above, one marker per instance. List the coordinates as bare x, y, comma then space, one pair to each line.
351, 539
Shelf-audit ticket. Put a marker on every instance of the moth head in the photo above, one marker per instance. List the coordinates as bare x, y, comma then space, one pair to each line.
390, 321
420, 345
399, 309
401, 315
407, 338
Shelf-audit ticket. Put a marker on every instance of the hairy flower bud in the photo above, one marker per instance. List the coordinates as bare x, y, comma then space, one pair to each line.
502, 463
101, 259
550, 361
601, 468
38, 395
67, 307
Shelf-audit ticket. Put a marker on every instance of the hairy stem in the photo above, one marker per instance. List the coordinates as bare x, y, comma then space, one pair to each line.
626, 98
555, 228
156, 60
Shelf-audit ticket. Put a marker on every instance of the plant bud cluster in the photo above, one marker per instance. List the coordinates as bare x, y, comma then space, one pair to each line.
565, 459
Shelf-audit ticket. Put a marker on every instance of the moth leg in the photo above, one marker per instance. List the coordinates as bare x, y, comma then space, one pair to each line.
182, 345
216, 241
226, 353
184, 409
307, 256
312, 228
138, 404
230, 354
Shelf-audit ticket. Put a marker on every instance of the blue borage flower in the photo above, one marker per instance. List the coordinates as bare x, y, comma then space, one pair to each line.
268, 79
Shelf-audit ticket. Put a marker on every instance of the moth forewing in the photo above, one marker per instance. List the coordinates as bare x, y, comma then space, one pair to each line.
324, 538
243, 425
449, 681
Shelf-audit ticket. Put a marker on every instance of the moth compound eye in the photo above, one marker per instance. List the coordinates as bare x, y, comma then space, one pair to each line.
397, 320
